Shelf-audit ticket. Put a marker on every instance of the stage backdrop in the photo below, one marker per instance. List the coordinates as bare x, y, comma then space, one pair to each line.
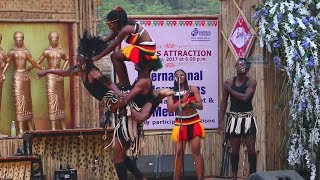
191, 45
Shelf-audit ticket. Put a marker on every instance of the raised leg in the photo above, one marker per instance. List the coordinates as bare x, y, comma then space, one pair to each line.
118, 59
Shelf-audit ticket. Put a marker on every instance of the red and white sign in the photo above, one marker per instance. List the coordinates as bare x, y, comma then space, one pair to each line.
241, 37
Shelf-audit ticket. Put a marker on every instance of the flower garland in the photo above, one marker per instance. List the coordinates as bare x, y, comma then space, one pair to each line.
290, 31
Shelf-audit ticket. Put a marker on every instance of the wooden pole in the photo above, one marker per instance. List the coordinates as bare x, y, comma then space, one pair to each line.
75, 80
95, 17
76, 4
81, 16
89, 17
241, 12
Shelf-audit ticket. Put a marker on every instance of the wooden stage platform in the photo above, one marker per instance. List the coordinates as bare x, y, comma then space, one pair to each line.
81, 149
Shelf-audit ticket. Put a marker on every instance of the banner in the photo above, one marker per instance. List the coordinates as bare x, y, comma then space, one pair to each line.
191, 45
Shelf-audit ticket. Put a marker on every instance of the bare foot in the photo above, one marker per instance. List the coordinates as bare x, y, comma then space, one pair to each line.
161, 94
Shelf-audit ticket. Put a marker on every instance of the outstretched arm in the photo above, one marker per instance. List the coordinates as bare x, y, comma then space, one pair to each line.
112, 46
59, 72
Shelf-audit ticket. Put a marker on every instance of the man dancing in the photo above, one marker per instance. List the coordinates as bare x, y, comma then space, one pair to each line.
137, 106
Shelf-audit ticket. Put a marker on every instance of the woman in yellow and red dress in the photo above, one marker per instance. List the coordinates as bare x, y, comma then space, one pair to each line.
141, 50
188, 126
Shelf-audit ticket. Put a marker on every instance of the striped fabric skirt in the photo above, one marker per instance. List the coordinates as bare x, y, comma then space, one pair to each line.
187, 127
142, 53
241, 123
134, 53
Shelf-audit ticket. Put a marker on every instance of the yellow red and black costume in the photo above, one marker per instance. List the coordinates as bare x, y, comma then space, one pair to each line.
187, 127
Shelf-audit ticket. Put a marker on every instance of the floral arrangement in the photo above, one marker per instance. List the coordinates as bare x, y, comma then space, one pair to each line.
289, 29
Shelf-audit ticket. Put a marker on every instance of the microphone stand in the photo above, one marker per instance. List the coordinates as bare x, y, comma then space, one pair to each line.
180, 129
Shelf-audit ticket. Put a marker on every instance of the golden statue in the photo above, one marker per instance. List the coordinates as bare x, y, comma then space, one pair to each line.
21, 82
3, 68
55, 84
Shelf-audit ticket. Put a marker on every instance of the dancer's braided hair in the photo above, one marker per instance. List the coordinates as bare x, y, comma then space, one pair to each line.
90, 46
119, 14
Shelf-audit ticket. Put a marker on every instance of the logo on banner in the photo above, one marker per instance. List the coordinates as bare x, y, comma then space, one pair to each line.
197, 35
241, 37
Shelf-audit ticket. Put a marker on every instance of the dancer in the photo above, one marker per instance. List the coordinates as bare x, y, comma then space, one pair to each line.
188, 126
241, 122
145, 100
141, 50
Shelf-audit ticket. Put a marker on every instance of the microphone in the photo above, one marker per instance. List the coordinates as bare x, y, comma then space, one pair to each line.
177, 79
